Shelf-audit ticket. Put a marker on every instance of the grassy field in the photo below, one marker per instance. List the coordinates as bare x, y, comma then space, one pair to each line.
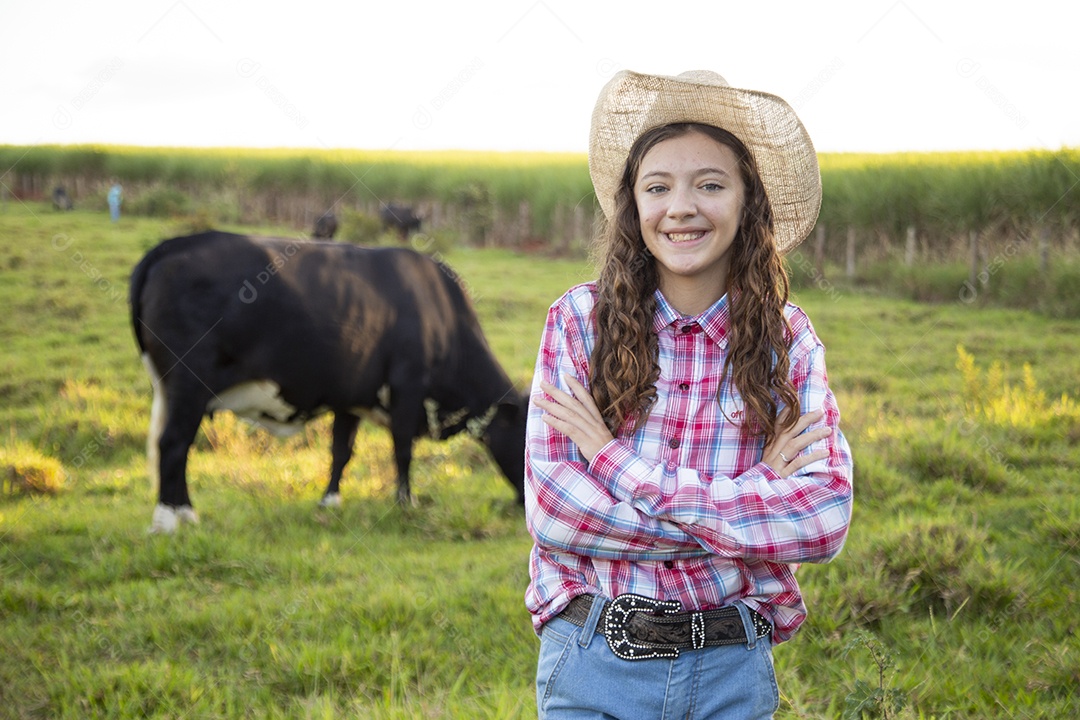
963, 563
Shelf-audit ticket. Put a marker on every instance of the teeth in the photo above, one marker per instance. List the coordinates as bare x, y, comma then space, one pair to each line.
683, 237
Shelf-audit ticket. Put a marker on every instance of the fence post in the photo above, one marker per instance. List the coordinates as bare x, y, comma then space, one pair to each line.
819, 251
973, 243
524, 224
583, 234
1044, 250
559, 233
909, 248
433, 215
850, 252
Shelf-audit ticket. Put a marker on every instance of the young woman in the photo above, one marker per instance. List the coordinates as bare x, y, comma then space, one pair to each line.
683, 451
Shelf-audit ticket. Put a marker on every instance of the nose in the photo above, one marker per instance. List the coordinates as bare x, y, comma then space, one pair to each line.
681, 203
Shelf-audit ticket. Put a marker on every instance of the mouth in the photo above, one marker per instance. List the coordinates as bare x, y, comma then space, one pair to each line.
682, 237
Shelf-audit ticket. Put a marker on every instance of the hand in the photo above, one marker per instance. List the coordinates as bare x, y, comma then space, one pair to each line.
575, 415
782, 454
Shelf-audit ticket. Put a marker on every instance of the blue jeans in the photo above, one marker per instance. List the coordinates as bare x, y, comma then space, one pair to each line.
577, 676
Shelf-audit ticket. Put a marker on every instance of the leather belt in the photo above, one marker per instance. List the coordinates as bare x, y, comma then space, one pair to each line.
640, 628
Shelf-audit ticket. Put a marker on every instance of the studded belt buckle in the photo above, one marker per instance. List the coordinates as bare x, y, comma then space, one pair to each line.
618, 617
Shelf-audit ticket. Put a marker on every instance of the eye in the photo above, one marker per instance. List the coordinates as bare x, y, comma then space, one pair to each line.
712, 187
655, 189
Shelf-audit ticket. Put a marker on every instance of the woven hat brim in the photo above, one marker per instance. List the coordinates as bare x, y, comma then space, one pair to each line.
632, 103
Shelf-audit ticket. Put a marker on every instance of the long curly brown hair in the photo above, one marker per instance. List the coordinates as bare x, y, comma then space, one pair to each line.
625, 359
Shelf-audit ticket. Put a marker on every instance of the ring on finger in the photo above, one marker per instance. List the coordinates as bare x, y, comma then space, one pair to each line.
784, 458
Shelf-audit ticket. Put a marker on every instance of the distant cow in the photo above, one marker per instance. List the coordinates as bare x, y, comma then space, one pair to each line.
400, 218
60, 199
325, 226
280, 331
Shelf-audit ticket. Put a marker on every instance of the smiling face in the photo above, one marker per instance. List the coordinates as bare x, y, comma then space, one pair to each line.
689, 194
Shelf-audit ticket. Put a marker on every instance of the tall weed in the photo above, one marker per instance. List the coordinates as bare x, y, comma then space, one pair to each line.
989, 397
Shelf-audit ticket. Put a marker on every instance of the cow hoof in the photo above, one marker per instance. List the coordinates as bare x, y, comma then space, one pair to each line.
166, 519
330, 500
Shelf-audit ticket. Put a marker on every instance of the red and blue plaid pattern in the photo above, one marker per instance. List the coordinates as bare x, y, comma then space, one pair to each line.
683, 509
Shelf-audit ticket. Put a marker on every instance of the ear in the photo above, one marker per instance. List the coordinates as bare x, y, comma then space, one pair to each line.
514, 406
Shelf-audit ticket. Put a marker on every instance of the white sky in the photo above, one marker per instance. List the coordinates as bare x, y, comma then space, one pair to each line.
876, 75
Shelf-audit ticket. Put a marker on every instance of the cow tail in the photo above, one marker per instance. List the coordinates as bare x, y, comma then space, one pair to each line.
158, 409
135, 292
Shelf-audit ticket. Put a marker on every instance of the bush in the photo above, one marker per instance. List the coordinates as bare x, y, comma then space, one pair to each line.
435, 244
934, 283
161, 202
199, 221
1062, 296
359, 228
24, 470
1011, 281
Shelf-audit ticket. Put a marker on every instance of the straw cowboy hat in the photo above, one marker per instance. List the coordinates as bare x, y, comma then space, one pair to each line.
632, 103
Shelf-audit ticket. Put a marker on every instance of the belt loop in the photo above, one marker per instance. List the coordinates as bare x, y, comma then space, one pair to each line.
748, 625
595, 611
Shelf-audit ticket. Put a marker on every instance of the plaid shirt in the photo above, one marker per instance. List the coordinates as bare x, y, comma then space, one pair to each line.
683, 509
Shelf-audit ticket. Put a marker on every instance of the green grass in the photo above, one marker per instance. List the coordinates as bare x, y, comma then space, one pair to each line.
963, 558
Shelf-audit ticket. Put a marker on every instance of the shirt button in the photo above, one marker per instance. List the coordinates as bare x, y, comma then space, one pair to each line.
668, 564
684, 386
686, 328
673, 443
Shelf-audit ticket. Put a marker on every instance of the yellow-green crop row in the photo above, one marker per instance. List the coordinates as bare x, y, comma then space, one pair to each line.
937, 192
952, 191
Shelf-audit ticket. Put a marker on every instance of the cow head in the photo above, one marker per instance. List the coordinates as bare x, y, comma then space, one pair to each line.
505, 439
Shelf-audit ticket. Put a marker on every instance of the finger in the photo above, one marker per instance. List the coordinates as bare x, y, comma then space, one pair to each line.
559, 424
578, 400
569, 425
804, 421
571, 431
784, 439
798, 463
582, 394
588, 444
563, 411
560, 397
558, 394
801, 442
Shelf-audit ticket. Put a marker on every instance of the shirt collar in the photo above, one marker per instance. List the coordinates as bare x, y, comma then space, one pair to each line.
714, 321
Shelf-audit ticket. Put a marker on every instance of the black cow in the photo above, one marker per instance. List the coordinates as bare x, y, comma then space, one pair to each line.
60, 199
401, 218
325, 226
280, 331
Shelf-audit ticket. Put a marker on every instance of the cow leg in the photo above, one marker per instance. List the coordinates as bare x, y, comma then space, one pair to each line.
406, 411
184, 415
157, 423
345, 425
